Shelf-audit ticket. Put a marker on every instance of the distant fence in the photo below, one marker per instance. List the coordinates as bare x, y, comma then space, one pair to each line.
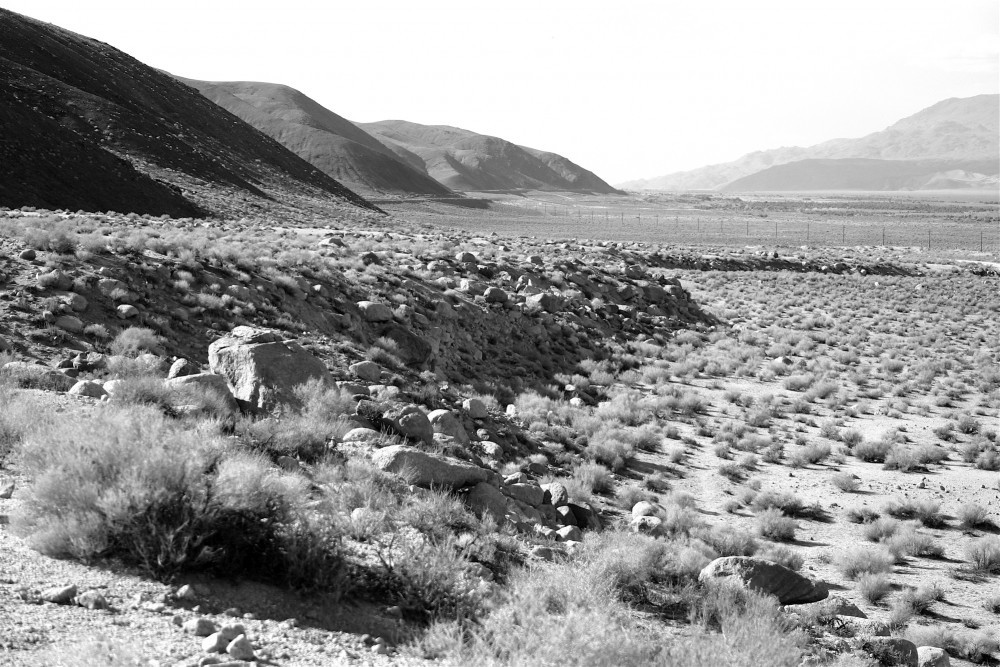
696, 226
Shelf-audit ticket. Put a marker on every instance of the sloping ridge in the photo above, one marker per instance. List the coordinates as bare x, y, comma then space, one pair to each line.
129, 138
471, 162
331, 143
958, 130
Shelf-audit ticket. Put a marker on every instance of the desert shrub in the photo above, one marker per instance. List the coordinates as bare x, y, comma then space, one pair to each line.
872, 451
988, 460
593, 477
984, 554
901, 458
154, 494
728, 541
628, 495
538, 620
773, 453
774, 525
881, 529
609, 451
918, 600
992, 603
782, 555
845, 481
972, 515
967, 424
908, 542
928, 512
193, 401
901, 508
133, 341
829, 430
874, 587
731, 471
851, 438
20, 415
855, 561
799, 382
929, 453
900, 615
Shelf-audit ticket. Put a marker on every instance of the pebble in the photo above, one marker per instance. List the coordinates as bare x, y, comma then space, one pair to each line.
240, 648
186, 592
92, 600
214, 643
6, 490
200, 627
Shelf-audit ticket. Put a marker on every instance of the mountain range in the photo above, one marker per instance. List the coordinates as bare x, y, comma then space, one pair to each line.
952, 144
87, 126
395, 156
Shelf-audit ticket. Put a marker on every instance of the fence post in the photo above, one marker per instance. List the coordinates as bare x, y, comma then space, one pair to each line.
883, 236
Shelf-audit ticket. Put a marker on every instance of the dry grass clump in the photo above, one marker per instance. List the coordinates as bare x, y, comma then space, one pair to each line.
856, 561
845, 481
984, 554
774, 525
975, 647
972, 515
581, 613
874, 587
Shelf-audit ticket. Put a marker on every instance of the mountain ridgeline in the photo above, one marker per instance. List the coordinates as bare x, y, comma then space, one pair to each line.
92, 128
471, 162
952, 144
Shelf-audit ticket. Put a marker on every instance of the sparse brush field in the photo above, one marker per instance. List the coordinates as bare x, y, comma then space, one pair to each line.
842, 423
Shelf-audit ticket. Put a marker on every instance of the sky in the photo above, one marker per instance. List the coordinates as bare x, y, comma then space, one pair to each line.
629, 89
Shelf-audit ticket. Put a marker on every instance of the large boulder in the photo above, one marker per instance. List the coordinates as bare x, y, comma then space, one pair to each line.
374, 311
757, 574
209, 381
425, 469
447, 422
409, 421
485, 499
412, 350
262, 369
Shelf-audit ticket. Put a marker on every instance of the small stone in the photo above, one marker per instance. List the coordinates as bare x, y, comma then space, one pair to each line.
543, 552
231, 631
380, 649
126, 312
87, 388
214, 643
199, 627
27, 254
186, 592
92, 600
366, 370
233, 611
59, 594
240, 648
6, 490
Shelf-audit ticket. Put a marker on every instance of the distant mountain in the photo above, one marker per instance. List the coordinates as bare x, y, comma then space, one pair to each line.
470, 162
865, 174
957, 130
333, 144
86, 126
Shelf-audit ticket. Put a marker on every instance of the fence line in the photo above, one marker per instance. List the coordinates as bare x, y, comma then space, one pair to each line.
696, 226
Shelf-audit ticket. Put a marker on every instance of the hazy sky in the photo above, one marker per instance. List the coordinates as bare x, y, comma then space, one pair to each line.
627, 89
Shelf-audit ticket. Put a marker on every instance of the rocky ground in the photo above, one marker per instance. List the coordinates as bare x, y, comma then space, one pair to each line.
520, 375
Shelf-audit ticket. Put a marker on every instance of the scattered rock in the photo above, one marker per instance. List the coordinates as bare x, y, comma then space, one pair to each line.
209, 381
788, 586
91, 600
426, 469
366, 370
126, 312
447, 423
262, 369
475, 407
59, 594
200, 627
372, 311
88, 388
240, 648
486, 499
182, 368
891, 651
69, 323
